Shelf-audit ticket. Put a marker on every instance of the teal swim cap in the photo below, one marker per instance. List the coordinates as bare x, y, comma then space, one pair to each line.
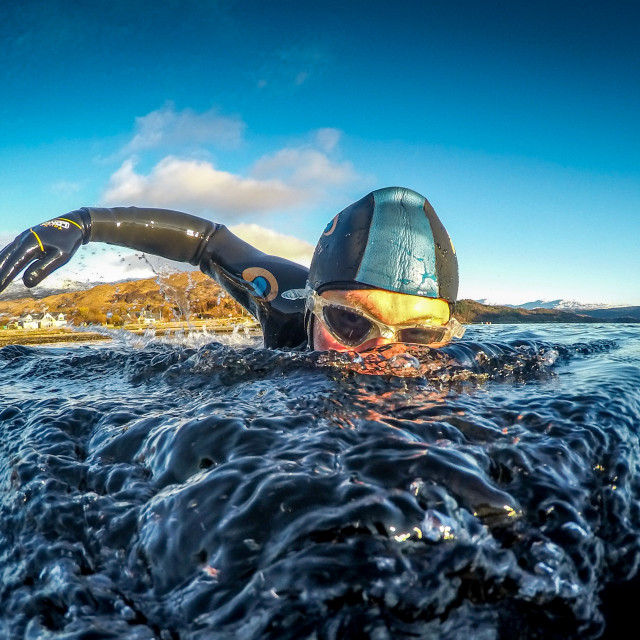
391, 239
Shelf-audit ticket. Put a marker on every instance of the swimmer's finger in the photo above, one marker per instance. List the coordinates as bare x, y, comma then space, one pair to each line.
16, 256
40, 269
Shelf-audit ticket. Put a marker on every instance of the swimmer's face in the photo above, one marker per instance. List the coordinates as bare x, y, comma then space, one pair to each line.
409, 316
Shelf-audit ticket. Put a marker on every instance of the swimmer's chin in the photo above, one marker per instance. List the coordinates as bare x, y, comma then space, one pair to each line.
395, 359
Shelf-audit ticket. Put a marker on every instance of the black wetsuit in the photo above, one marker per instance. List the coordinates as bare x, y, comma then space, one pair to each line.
253, 278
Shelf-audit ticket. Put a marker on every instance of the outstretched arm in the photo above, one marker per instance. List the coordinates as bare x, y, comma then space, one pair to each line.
253, 278
47, 246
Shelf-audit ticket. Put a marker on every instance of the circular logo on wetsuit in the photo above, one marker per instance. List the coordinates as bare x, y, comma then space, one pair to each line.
331, 227
264, 283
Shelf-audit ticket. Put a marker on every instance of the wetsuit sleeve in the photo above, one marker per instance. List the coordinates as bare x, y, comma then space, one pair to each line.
253, 278
161, 232
256, 280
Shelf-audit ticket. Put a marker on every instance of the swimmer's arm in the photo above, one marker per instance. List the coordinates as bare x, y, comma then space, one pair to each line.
45, 247
253, 278
162, 232
256, 280
170, 234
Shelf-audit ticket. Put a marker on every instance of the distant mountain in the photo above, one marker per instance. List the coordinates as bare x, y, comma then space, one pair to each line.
94, 265
615, 313
598, 312
561, 304
16, 290
565, 305
472, 311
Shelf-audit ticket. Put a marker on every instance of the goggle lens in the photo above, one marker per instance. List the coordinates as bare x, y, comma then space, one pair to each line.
349, 327
419, 335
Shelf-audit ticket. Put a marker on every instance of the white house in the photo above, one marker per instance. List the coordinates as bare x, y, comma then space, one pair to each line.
42, 320
28, 322
146, 317
60, 320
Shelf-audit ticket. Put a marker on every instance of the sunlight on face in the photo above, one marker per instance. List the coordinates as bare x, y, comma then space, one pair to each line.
387, 306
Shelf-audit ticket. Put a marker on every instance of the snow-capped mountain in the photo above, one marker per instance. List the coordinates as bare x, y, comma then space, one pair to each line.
16, 289
564, 305
94, 265
560, 304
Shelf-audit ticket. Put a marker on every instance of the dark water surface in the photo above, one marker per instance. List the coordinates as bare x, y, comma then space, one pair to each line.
162, 490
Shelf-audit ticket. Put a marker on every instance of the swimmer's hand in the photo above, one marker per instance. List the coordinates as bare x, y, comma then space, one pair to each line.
42, 249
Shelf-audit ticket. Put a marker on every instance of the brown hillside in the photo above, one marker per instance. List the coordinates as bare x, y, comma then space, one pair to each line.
470, 311
175, 296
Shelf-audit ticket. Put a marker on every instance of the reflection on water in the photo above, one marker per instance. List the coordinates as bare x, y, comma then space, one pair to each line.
190, 489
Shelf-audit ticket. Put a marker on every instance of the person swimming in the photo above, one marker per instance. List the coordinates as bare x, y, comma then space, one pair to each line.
384, 270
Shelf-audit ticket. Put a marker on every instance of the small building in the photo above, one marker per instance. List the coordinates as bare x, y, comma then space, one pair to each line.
28, 322
60, 320
41, 320
147, 317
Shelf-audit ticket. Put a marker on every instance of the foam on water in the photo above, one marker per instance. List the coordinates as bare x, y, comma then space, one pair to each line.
191, 489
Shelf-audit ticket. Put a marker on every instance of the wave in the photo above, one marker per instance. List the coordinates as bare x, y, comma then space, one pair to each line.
176, 490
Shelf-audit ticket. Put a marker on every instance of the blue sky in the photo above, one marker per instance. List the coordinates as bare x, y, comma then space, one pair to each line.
518, 121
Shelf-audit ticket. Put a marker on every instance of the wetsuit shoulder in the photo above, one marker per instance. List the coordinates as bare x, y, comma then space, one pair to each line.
256, 280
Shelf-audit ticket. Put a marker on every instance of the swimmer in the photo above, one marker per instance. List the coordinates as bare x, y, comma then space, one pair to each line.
384, 270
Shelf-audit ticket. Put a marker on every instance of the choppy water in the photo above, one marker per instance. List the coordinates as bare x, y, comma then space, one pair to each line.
160, 490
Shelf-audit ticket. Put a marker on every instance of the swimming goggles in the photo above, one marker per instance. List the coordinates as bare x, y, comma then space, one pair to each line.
352, 326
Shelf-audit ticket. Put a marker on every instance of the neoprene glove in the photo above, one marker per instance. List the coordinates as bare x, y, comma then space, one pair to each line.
43, 249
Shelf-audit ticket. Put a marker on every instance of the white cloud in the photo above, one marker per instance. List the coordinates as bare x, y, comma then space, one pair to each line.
197, 186
291, 177
304, 167
167, 127
274, 243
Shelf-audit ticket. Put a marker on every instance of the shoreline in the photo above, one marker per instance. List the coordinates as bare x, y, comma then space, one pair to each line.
44, 336
29, 337
86, 334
